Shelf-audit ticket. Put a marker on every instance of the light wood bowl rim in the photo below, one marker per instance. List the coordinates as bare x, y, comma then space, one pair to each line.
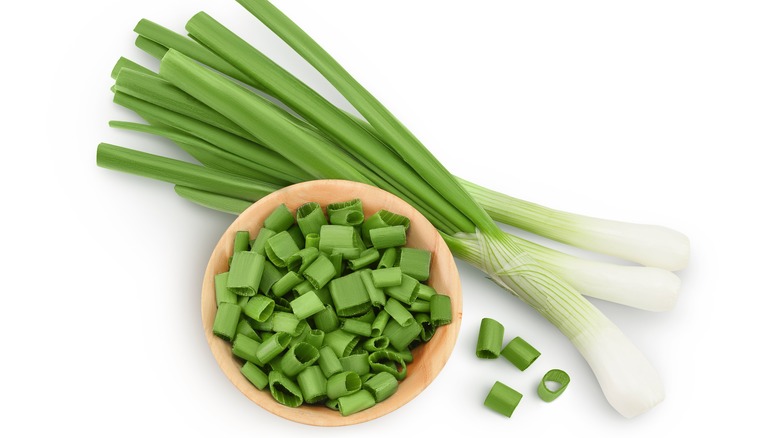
429, 358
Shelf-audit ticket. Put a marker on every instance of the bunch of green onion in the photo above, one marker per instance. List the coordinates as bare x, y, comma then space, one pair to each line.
215, 97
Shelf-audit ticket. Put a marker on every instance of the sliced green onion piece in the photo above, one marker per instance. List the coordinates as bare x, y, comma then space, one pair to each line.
383, 218
280, 247
387, 277
366, 258
320, 271
342, 342
284, 390
350, 205
259, 308
280, 219
375, 294
388, 361
315, 337
286, 283
312, 240
313, 384
406, 354
352, 218
388, 258
357, 327
223, 295
441, 309
388, 236
400, 337
425, 292
272, 347
327, 320
262, 237
245, 272
329, 362
304, 287
428, 329
359, 401
301, 260
382, 385
226, 321
415, 263
490, 339
366, 317
310, 218
337, 236
520, 353
246, 348
378, 326
287, 323
297, 236
503, 399
553, 376
349, 295
255, 375
406, 292
357, 362
298, 357
306, 305
271, 274
240, 242
376, 343
420, 306
246, 329
343, 383
398, 312
337, 259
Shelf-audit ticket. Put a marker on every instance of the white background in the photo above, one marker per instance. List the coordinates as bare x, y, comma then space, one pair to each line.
660, 112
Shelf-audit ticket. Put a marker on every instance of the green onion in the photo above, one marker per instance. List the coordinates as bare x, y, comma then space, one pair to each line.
375, 294
287, 323
503, 399
272, 347
398, 312
388, 237
255, 375
310, 218
428, 328
388, 361
381, 386
263, 235
350, 296
359, 401
406, 292
320, 271
246, 348
376, 343
271, 275
313, 384
356, 362
490, 339
307, 305
279, 220
280, 247
366, 258
297, 358
401, 336
259, 308
286, 283
329, 362
315, 337
555, 377
284, 390
343, 383
415, 263
226, 321
222, 293
387, 277
441, 309
245, 272
247, 330
341, 341
379, 324
388, 258
312, 240
520, 353
327, 320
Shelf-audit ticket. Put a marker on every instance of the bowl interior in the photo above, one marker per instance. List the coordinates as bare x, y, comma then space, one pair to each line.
429, 358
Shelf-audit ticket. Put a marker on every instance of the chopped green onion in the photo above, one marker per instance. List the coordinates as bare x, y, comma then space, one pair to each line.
306, 305
226, 321
312, 241
245, 272
297, 358
287, 323
286, 283
401, 336
375, 294
490, 339
382, 385
272, 347
349, 295
388, 258
259, 308
315, 337
503, 399
420, 306
301, 260
297, 236
262, 237
246, 348
366, 258
346, 217
406, 292
379, 324
441, 309
350, 205
357, 327
387, 277
310, 218
415, 263
388, 361
240, 242
387, 237
320, 271
337, 236
255, 375
222, 293
376, 343
520, 353
398, 312
280, 219
357, 362
329, 362
327, 320
425, 292
247, 330
271, 275
428, 328
313, 384
284, 390
359, 401
343, 383
280, 247
342, 342
553, 376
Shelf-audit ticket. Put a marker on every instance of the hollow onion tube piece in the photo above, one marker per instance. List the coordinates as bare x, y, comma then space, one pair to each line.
240, 241
226, 321
263, 235
376, 294
387, 237
307, 305
255, 375
557, 378
346, 217
280, 247
284, 390
246, 348
406, 292
490, 339
400, 336
221, 292
342, 342
284, 322
313, 384
388, 258
312, 241
245, 329
349, 295
441, 309
387, 277
415, 263
297, 358
398, 312
343, 383
326, 319
310, 218
387, 361
503, 399
320, 271
301, 260
315, 337
357, 327
520, 353
382, 385
245, 271
379, 324
329, 362
359, 401
357, 362
280, 219
259, 308
427, 328
272, 347
376, 343
367, 258
286, 283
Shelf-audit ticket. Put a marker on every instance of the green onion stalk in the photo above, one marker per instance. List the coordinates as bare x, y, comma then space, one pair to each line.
249, 146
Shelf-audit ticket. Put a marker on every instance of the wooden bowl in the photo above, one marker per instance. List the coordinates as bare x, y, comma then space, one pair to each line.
429, 358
